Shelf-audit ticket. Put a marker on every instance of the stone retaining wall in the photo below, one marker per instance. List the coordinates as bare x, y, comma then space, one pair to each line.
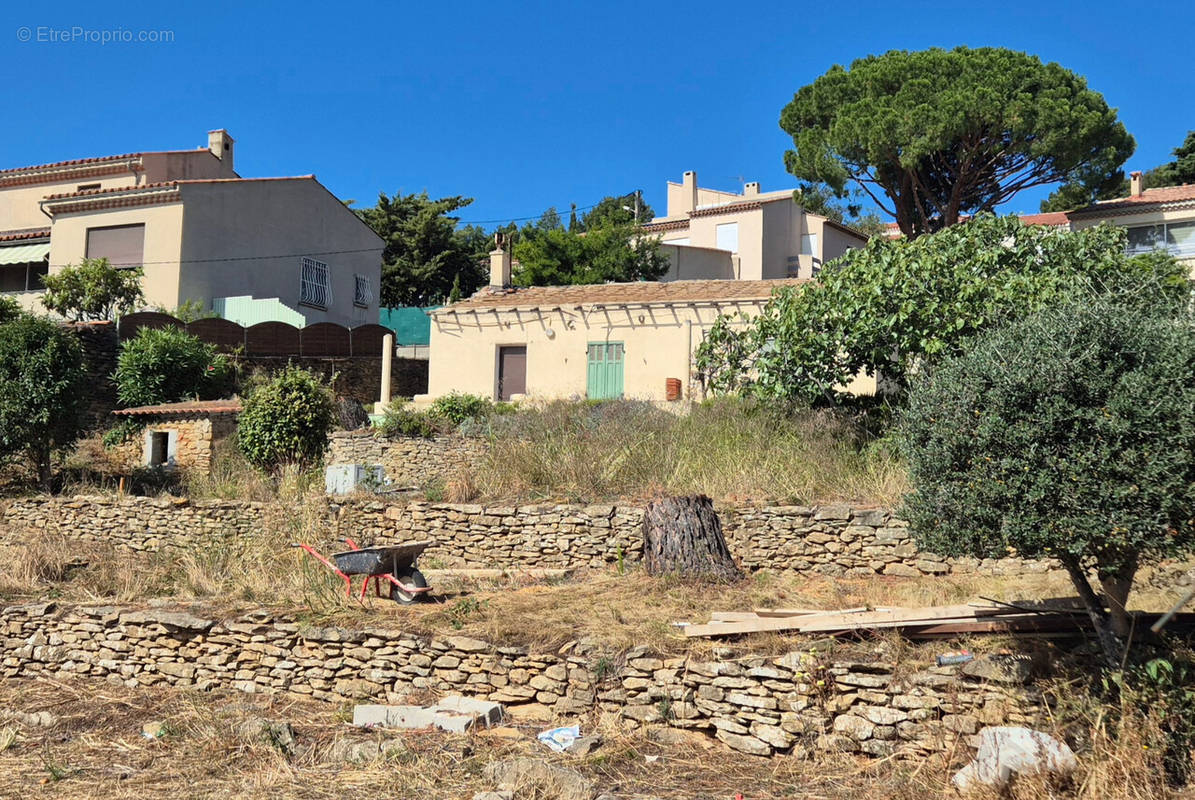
761, 705
830, 539
408, 461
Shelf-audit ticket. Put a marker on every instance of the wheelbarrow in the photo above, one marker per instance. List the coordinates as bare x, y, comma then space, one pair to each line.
395, 564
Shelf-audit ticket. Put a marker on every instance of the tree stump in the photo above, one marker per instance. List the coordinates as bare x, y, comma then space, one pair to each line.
683, 536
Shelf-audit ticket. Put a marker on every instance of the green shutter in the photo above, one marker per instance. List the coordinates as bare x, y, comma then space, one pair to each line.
604, 362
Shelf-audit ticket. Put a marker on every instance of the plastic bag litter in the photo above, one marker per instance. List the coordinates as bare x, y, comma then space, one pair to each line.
560, 738
1005, 752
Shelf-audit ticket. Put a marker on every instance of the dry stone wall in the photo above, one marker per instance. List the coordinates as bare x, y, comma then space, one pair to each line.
832, 540
798, 702
407, 461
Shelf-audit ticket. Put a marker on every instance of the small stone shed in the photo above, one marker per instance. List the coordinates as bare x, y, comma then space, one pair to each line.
179, 435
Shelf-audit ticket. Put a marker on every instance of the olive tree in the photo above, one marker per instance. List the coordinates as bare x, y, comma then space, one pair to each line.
1069, 434
41, 390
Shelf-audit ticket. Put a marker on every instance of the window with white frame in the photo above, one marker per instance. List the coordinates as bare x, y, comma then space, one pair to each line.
363, 291
1178, 238
726, 236
314, 288
809, 244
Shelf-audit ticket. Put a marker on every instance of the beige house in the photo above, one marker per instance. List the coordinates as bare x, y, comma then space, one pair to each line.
1162, 218
602, 341
200, 232
711, 234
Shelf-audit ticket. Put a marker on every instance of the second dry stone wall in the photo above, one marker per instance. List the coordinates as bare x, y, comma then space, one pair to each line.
831, 540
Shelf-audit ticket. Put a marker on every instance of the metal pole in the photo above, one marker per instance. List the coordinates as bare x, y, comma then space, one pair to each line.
1169, 615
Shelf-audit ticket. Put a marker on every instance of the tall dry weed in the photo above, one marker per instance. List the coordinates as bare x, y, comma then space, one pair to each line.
728, 449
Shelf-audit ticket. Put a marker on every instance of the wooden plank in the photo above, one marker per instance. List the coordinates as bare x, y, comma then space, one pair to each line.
732, 616
826, 622
797, 612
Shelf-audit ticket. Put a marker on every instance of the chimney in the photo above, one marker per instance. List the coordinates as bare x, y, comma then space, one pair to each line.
1136, 189
499, 263
751, 189
220, 143
689, 192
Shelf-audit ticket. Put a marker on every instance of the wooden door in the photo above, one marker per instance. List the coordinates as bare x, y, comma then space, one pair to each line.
604, 375
512, 371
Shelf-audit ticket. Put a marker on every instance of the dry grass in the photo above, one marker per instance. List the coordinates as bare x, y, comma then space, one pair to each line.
94, 749
727, 449
617, 610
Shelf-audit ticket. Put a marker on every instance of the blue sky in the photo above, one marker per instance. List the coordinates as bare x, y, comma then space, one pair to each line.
526, 105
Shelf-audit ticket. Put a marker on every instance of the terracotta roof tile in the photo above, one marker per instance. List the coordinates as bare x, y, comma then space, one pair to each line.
1052, 218
23, 234
642, 292
1150, 197
166, 184
75, 162
188, 408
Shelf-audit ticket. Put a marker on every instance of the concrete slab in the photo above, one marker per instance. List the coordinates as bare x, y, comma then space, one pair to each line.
487, 712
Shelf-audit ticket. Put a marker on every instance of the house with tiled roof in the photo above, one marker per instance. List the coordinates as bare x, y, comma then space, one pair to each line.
1162, 218
752, 235
200, 232
600, 341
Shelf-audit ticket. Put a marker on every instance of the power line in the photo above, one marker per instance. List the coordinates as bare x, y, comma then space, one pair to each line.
250, 258
516, 219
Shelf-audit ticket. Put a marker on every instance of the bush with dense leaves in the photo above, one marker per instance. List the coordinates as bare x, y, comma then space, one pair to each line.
166, 365
457, 407
1069, 434
895, 306
286, 420
41, 390
402, 420
93, 290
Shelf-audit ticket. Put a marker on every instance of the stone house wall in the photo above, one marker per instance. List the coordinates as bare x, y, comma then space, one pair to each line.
195, 438
795, 703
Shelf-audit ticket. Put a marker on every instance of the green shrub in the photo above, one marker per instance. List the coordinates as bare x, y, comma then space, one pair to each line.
456, 407
93, 290
9, 310
402, 420
166, 365
1070, 434
41, 390
286, 420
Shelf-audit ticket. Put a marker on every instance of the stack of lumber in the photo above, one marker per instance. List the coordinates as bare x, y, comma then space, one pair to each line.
927, 622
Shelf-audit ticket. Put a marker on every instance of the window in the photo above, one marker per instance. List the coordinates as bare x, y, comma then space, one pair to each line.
25, 277
1178, 238
363, 291
809, 244
122, 245
314, 289
86, 187
727, 236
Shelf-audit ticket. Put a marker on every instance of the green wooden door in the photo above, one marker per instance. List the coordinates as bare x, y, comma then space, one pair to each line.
605, 370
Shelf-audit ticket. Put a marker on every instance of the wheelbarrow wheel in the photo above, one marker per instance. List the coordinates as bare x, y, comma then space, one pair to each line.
408, 576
